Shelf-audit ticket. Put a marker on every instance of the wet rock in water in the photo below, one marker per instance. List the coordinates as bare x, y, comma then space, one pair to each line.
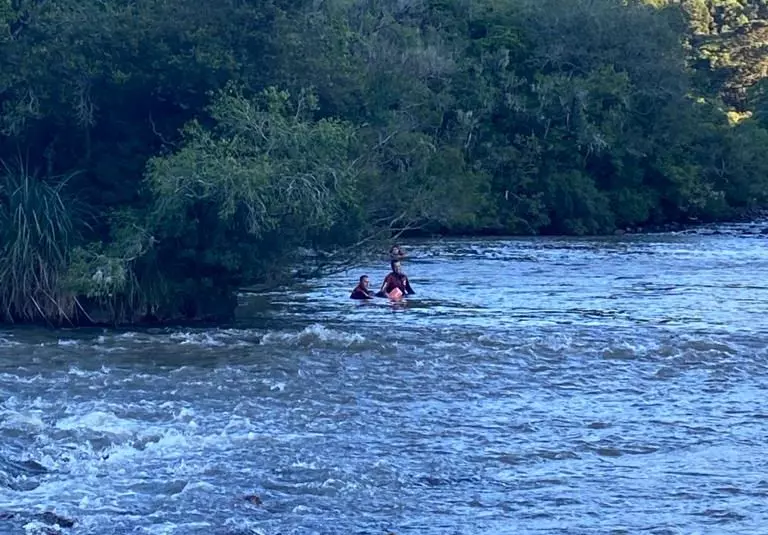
253, 499
19, 475
56, 520
26, 467
47, 523
18, 484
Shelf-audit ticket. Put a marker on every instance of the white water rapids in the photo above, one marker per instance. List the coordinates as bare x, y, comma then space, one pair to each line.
531, 386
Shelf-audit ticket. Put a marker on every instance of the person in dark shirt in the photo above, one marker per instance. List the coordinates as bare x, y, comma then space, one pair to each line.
361, 291
396, 279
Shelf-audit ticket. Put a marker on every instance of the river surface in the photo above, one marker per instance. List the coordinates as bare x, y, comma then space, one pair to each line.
545, 385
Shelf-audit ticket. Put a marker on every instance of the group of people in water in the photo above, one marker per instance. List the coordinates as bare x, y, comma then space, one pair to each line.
395, 285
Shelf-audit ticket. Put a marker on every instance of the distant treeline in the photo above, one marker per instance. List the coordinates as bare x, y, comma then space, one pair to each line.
160, 154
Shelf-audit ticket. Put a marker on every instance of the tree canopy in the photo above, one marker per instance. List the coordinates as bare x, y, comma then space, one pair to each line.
160, 154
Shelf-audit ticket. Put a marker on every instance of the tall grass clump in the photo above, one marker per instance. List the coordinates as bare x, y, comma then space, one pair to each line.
36, 233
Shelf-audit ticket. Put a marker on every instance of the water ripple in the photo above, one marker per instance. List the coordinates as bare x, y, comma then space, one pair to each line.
531, 386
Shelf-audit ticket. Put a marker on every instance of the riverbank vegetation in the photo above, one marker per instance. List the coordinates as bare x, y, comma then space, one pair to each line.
160, 154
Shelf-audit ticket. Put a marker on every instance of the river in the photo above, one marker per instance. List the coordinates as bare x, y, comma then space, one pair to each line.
533, 385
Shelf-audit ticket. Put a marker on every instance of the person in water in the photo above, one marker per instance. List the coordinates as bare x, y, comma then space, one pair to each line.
396, 279
361, 291
396, 253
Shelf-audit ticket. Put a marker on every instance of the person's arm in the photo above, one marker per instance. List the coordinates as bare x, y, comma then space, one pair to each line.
384, 284
408, 288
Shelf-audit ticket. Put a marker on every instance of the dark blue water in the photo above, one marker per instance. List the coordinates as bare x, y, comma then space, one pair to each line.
531, 386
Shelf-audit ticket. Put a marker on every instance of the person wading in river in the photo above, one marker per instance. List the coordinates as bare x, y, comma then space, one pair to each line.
396, 253
395, 280
361, 291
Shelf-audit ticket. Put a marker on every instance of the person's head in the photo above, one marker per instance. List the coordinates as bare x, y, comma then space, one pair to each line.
396, 267
395, 250
364, 281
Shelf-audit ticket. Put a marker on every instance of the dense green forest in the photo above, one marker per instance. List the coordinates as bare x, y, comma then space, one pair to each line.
159, 154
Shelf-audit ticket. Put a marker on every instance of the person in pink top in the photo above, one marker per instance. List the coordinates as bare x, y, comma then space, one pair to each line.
396, 280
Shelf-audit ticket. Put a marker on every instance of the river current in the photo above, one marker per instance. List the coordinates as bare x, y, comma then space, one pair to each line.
537, 385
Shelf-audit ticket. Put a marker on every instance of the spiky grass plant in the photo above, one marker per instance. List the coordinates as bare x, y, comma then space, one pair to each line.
36, 232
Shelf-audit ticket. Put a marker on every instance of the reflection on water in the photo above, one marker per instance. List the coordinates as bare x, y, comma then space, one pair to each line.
531, 385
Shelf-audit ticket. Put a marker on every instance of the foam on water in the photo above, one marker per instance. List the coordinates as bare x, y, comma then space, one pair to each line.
550, 385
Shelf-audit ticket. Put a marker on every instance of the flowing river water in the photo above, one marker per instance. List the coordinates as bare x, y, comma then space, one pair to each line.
542, 385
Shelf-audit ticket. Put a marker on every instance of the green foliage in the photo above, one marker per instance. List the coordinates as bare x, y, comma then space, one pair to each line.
743, 170
728, 40
264, 163
265, 169
217, 139
36, 232
576, 205
7, 17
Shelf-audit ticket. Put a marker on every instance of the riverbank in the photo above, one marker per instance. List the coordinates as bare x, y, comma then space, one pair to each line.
748, 222
753, 224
